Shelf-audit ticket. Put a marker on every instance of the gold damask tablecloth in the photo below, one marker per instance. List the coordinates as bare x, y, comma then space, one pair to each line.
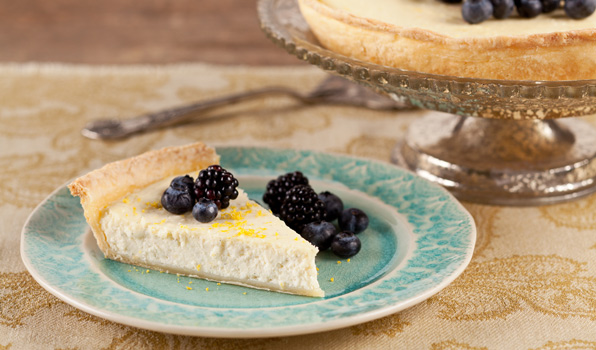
531, 283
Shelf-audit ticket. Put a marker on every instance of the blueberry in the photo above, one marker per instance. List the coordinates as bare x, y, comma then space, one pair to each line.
528, 8
503, 8
333, 205
177, 201
549, 5
476, 11
353, 220
183, 183
205, 210
345, 244
578, 9
319, 233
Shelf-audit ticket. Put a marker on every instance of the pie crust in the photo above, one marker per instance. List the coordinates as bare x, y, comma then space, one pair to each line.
101, 187
559, 55
101, 190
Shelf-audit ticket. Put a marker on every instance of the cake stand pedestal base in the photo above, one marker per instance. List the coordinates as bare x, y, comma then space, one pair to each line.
502, 162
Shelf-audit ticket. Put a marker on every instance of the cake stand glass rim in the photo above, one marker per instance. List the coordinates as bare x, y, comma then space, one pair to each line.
495, 101
302, 48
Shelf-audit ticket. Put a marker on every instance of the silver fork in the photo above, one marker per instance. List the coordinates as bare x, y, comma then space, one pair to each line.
332, 90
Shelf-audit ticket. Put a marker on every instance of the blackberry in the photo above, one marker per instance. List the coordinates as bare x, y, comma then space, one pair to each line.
301, 206
276, 189
217, 184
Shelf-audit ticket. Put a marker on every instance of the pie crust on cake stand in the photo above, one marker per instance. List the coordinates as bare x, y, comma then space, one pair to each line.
504, 142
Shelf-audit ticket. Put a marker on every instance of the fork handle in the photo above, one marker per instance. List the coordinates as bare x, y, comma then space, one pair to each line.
113, 129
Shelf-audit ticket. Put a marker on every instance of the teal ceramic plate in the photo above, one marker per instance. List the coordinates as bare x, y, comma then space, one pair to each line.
418, 241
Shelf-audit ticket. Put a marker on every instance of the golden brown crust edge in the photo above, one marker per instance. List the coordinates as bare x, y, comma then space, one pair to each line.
102, 186
569, 55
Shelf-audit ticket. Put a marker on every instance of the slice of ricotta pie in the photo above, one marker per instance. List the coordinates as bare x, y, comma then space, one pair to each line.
245, 245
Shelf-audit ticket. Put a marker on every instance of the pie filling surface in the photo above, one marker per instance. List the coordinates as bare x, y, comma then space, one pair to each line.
245, 244
446, 19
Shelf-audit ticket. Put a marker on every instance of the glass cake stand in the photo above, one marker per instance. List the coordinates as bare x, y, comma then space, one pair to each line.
503, 142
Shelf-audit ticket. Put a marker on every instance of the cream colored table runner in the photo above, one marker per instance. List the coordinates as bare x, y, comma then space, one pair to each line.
530, 285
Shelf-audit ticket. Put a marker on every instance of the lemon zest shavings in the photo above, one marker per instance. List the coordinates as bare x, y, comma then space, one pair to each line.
159, 223
152, 205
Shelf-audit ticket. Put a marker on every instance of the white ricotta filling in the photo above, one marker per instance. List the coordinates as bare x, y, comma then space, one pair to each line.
245, 244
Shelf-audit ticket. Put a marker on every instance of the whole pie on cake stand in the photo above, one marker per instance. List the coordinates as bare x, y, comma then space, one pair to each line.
507, 138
